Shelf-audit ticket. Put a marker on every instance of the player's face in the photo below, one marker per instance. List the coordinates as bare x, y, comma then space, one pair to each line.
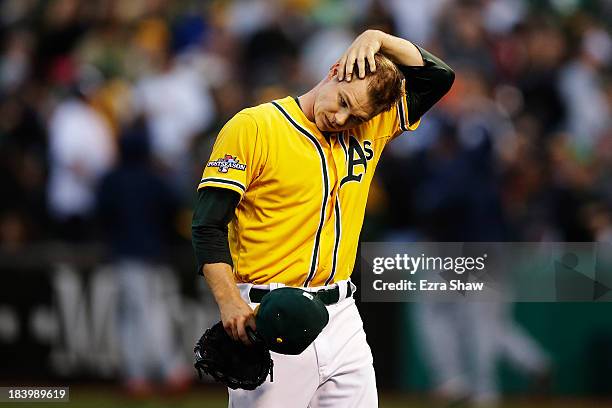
341, 105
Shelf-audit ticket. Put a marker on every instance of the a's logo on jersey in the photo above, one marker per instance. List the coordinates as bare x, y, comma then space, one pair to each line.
357, 156
226, 163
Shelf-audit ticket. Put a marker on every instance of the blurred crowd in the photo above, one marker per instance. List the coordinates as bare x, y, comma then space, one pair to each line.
521, 149
109, 109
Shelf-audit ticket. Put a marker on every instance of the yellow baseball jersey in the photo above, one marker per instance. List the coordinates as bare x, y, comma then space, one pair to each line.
303, 197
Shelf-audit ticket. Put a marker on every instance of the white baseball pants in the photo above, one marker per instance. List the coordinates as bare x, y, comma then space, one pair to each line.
335, 371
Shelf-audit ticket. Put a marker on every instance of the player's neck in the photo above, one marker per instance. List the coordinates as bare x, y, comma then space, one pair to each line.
306, 103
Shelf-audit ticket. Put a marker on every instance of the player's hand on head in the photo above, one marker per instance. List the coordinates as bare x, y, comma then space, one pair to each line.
236, 315
353, 61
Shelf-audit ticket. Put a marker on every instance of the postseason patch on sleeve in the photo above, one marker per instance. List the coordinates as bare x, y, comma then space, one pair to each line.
224, 164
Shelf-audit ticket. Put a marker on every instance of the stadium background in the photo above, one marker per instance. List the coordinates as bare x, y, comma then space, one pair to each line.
532, 103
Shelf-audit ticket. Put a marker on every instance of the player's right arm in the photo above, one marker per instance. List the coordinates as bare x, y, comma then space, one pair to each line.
235, 162
213, 211
235, 312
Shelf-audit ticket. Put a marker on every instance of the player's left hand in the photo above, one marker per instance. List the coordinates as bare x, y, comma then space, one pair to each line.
363, 48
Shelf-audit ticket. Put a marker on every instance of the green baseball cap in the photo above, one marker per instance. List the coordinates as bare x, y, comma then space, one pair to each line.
289, 319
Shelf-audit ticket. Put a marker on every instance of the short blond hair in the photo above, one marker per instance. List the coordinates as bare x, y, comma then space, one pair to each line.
385, 87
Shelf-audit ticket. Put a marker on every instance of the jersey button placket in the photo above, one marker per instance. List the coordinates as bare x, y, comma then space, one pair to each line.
331, 159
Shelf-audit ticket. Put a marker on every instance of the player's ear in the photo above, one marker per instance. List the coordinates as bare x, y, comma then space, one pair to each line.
333, 71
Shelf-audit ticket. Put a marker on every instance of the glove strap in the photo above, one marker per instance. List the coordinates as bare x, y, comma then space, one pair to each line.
253, 336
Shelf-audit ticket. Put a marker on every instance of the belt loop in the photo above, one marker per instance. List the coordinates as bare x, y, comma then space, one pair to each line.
276, 285
342, 289
245, 289
353, 287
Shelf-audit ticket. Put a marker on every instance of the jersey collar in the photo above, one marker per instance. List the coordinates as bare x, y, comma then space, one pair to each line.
296, 111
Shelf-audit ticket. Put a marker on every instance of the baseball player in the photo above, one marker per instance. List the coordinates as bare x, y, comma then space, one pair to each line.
282, 200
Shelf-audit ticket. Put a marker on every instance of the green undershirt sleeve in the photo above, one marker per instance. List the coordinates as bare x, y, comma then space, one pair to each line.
214, 209
426, 85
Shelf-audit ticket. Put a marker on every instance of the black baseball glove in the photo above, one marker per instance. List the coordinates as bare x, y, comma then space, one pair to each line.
231, 362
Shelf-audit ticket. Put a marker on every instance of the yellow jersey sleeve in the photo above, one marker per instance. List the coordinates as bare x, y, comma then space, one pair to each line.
236, 159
